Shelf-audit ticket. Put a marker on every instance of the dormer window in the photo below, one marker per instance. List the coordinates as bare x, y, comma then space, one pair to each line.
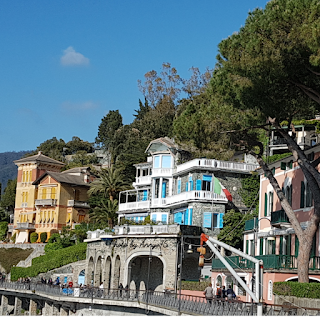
163, 161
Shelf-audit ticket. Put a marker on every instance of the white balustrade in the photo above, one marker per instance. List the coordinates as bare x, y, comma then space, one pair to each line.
143, 180
160, 229
216, 164
134, 205
136, 229
162, 172
159, 202
196, 195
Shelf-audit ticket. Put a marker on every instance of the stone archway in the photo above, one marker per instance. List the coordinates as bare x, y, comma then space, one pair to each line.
116, 273
98, 273
107, 274
146, 273
90, 274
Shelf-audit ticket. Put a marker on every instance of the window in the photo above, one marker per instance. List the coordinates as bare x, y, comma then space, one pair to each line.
190, 184
212, 220
302, 194
309, 198
265, 204
206, 185
166, 162
164, 218
270, 209
252, 251
164, 189
156, 186
183, 216
44, 193
53, 193
261, 247
179, 186
156, 162
288, 194
154, 217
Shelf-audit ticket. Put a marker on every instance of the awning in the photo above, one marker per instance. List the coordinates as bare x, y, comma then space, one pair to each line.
131, 215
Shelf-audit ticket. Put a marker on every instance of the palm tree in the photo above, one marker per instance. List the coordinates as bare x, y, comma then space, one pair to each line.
106, 211
111, 182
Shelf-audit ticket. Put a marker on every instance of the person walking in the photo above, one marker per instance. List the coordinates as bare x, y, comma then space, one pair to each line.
224, 292
120, 289
208, 292
219, 292
230, 293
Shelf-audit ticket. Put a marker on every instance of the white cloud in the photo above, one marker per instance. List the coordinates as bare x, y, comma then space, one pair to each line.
80, 106
72, 58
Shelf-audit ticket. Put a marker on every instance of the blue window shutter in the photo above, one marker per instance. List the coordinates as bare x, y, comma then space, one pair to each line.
187, 186
207, 219
198, 186
186, 217
154, 217
179, 186
164, 218
178, 217
190, 216
145, 195
221, 220
164, 188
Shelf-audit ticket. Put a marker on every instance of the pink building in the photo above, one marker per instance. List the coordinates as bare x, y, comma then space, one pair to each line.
271, 237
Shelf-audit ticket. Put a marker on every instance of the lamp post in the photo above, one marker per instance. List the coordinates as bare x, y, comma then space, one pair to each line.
255, 236
180, 273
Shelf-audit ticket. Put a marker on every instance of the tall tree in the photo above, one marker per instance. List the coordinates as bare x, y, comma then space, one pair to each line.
106, 212
272, 65
109, 184
8, 197
107, 129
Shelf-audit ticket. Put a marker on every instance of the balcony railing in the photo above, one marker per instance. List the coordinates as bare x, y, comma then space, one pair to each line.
279, 217
197, 195
271, 261
251, 224
24, 226
78, 204
134, 205
216, 164
144, 180
46, 202
162, 172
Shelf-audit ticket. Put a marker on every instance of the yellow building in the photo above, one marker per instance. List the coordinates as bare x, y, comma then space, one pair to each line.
47, 199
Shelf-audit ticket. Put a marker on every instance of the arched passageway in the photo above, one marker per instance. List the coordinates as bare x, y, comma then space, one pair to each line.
146, 273
116, 273
98, 273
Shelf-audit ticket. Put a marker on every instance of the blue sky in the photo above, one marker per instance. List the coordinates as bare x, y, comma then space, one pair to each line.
65, 64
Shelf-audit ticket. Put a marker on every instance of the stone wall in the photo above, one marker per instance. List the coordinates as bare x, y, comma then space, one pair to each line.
115, 261
300, 302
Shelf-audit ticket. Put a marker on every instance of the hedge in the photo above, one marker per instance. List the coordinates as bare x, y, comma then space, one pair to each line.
297, 289
194, 285
43, 237
33, 237
47, 262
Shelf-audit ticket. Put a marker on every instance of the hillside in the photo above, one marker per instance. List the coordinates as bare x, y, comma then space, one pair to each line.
8, 170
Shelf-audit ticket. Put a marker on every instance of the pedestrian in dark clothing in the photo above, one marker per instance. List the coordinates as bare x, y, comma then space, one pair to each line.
230, 293
224, 292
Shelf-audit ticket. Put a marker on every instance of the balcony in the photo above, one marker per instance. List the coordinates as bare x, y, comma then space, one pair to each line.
190, 196
250, 224
272, 261
279, 219
162, 172
25, 226
278, 141
78, 204
216, 165
141, 181
134, 205
46, 202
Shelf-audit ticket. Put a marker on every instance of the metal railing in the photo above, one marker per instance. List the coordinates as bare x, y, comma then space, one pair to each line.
250, 224
186, 304
270, 261
279, 217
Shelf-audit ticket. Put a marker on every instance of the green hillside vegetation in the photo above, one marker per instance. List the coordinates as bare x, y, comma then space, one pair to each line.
50, 261
12, 256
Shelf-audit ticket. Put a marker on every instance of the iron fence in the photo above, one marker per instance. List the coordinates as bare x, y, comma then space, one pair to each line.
186, 304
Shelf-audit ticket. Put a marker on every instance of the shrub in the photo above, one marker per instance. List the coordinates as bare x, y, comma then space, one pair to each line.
54, 238
50, 261
3, 229
33, 237
297, 289
13, 238
194, 285
43, 237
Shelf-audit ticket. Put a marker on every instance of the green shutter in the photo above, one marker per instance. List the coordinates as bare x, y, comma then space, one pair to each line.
265, 204
283, 166
261, 246
273, 247
296, 246
247, 247
288, 245
281, 245
302, 194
